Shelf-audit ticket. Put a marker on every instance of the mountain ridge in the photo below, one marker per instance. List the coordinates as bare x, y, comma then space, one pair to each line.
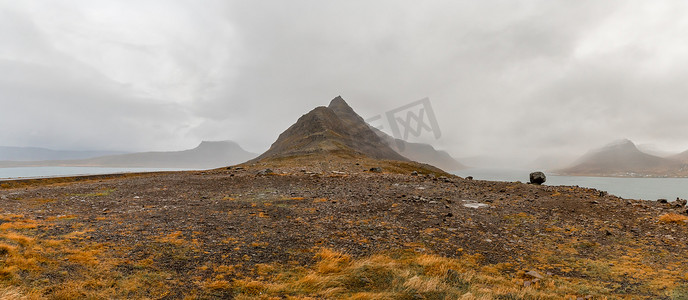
13, 153
623, 158
208, 154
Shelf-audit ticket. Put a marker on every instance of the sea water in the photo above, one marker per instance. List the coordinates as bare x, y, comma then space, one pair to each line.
625, 187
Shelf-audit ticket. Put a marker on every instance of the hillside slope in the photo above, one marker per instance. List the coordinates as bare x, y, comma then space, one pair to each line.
623, 158
323, 131
206, 155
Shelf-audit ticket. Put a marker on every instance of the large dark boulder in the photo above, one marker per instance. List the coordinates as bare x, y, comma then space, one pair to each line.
537, 178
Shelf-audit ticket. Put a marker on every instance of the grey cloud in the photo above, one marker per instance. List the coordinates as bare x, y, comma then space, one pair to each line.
506, 78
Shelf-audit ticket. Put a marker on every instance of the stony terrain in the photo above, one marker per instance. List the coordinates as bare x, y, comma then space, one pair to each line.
177, 234
332, 212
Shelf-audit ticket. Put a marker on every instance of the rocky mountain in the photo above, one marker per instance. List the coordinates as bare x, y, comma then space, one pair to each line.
419, 152
335, 129
335, 139
36, 154
682, 157
623, 158
206, 155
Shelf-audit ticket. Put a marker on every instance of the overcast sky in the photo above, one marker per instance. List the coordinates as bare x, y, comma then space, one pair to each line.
506, 78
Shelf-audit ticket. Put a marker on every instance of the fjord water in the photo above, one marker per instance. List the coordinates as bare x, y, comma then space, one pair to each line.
38, 172
630, 188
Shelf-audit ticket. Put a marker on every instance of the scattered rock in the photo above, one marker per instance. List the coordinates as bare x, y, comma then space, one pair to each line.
680, 202
535, 274
602, 194
376, 170
266, 172
473, 204
416, 199
414, 173
469, 178
662, 201
537, 178
445, 179
238, 168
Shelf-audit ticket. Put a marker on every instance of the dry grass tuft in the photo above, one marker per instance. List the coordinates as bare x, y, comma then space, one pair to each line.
403, 275
21, 224
673, 218
174, 238
11, 293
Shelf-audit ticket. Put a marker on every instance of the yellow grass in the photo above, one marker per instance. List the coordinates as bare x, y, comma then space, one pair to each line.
68, 265
174, 238
673, 218
400, 275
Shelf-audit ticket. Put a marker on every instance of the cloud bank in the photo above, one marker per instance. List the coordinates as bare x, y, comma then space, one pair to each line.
515, 79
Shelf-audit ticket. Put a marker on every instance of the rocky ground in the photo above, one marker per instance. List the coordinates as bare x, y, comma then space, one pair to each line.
191, 228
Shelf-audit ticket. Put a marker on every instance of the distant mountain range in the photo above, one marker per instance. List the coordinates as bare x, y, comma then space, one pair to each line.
206, 155
623, 158
332, 130
424, 153
34, 154
682, 157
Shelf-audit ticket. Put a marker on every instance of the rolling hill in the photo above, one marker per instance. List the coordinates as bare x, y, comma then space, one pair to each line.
37, 154
623, 158
206, 155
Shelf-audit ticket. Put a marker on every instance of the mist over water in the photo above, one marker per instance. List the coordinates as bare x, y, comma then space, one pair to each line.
630, 188
38, 172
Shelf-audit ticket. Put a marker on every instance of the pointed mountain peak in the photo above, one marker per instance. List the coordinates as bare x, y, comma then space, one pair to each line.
333, 129
344, 111
339, 106
337, 102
